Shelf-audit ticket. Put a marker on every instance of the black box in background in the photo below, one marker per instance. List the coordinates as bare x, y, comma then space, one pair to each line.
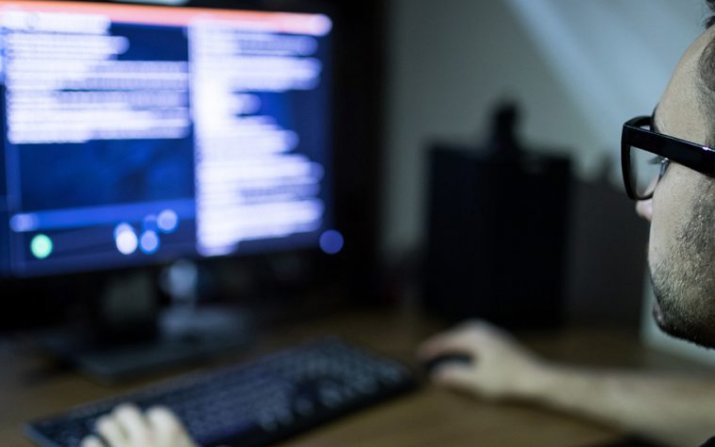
496, 241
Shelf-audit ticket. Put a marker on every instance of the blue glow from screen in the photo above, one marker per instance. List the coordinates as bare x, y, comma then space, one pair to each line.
332, 242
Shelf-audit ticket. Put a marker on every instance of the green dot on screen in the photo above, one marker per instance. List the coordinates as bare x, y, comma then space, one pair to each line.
41, 246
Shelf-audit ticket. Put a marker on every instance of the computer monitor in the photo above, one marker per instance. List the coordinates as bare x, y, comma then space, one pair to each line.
135, 135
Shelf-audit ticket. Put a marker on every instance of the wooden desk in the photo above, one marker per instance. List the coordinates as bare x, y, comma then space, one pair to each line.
429, 417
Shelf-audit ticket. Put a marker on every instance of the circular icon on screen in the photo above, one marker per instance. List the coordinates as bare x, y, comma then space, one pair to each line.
41, 246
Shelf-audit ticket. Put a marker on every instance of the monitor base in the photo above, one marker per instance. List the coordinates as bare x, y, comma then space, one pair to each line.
184, 337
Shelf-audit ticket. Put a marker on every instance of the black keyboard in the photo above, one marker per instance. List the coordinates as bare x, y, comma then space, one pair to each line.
255, 403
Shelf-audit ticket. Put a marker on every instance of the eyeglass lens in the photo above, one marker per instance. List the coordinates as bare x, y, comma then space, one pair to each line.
646, 169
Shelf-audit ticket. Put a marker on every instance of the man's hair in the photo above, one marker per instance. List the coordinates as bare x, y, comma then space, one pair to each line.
710, 21
706, 72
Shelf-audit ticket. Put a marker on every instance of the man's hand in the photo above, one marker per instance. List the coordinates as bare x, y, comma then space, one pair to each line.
127, 426
500, 367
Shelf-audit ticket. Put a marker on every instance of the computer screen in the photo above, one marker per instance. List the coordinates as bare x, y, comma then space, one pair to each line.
134, 135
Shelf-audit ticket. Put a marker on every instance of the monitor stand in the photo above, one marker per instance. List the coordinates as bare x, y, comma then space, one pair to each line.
131, 337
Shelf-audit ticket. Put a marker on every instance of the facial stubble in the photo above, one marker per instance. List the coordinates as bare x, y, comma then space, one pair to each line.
684, 281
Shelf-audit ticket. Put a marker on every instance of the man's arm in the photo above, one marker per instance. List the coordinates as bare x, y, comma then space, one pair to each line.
676, 410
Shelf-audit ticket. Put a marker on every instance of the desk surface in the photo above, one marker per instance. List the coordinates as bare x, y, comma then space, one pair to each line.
428, 417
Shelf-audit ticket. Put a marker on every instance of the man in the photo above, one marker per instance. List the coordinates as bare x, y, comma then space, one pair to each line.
680, 204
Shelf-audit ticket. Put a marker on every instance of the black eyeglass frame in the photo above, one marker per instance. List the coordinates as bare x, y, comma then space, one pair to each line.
698, 157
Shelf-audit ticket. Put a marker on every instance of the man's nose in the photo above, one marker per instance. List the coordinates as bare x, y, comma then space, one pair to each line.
644, 208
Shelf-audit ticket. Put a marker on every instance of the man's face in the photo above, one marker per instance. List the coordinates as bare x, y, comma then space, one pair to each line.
681, 252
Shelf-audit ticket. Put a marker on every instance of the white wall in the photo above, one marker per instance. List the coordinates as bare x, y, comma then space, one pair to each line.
579, 68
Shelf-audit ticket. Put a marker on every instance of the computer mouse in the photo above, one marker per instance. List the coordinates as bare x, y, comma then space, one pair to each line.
448, 358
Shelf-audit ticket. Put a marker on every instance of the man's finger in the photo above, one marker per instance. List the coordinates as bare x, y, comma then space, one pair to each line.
91, 441
458, 340
455, 376
133, 424
111, 431
166, 426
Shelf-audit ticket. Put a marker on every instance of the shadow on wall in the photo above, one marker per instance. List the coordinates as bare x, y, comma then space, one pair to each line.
513, 238
525, 280
606, 257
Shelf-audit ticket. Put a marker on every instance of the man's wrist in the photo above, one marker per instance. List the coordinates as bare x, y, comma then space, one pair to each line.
539, 382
